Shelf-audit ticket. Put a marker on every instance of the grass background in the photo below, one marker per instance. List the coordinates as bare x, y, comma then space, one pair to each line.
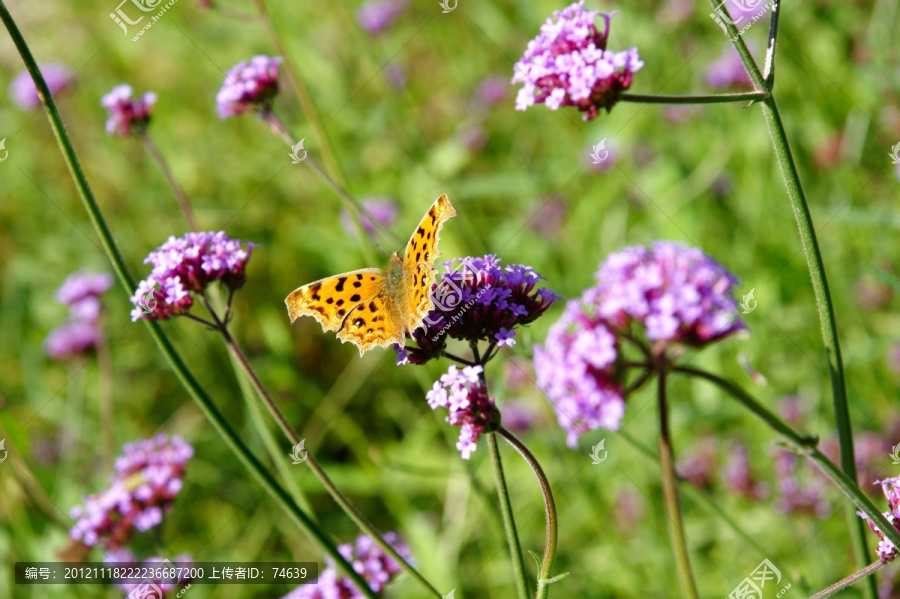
709, 181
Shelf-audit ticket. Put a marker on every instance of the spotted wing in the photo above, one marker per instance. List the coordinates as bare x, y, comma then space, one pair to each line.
418, 262
331, 300
371, 324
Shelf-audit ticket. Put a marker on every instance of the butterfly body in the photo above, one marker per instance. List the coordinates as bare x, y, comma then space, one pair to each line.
376, 308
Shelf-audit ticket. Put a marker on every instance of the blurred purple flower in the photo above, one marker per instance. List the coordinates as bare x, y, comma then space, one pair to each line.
148, 477
478, 300
698, 463
24, 93
249, 87
550, 216
186, 265
518, 416
367, 558
464, 393
127, 115
71, 339
891, 489
492, 90
738, 477
395, 75
474, 138
384, 210
568, 64
795, 493
680, 113
869, 452
81, 285
377, 15
727, 71
125, 556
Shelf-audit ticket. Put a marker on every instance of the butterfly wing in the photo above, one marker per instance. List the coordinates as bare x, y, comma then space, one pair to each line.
418, 262
331, 299
371, 324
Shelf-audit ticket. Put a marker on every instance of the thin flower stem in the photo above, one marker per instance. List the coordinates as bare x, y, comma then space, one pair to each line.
185, 376
749, 64
353, 207
769, 69
544, 575
509, 523
303, 96
755, 96
170, 179
850, 580
358, 518
455, 358
670, 496
826, 315
804, 445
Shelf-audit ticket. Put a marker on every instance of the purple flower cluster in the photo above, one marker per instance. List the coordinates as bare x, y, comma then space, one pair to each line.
186, 265
796, 493
166, 587
23, 92
367, 559
127, 115
80, 292
249, 86
377, 15
568, 64
383, 211
465, 395
675, 294
148, 477
891, 489
727, 71
478, 299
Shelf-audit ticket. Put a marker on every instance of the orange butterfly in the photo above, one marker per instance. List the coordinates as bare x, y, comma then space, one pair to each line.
374, 308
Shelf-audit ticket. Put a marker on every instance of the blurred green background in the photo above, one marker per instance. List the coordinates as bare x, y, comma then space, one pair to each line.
708, 180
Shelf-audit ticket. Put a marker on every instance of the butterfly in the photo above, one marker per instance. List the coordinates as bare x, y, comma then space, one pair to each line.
375, 308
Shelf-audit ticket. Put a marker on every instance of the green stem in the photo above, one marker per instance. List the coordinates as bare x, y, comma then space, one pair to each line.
544, 578
184, 375
171, 180
509, 524
358, 518
804, 445
850, 580
756, 96
670, 496
752, 69
826, 314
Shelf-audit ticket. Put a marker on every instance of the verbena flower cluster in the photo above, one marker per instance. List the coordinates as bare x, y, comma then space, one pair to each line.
249, 87
185, 265
148, 477
568, 64
478, 299
367, 559
127, 115
465, 395
166, 587
891, 488
668, 292
24, 93
80, 292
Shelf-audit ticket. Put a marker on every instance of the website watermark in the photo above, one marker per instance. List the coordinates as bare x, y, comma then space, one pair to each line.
123, 20
747, 13
752, 586
448, 295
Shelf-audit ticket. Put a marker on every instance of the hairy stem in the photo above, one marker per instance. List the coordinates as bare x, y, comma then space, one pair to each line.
756, 96
670, 496
509, 523
544, 578
850, 580
170, 179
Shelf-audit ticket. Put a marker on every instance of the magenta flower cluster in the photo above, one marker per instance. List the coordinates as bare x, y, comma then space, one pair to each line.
81, 292
377, 15
568, 64
23, 92
166, 587
249, 87
367, 559
465, 395
127, 115
668, 292
478, 299
891, 489
185, 265
148, 476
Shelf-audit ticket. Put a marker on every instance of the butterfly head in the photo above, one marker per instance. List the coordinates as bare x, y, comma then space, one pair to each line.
395, 267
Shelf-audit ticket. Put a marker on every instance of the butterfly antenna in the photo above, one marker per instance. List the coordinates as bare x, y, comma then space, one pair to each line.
378, 245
